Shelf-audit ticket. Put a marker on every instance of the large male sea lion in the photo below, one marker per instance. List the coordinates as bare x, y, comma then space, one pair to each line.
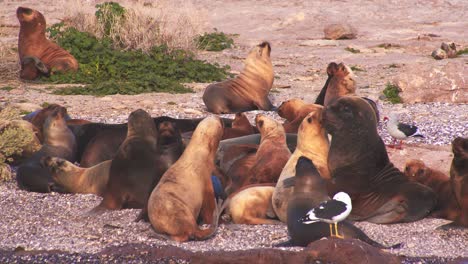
133, 170
312, 142
459, 177
249, 90
294, 110
447, 206
38, 55
359, 165
309, 191
185, 192
59, 141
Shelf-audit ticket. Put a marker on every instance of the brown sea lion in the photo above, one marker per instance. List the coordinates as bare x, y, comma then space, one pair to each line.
251, 205
249, 90
310, 189
38, 55
272, 153
59, 141
359, 165
447, 206
185, 192
294, 110
38, 118
238, 172
133, 169
459, 177
340, 82
74, 179
312, 142
240, 127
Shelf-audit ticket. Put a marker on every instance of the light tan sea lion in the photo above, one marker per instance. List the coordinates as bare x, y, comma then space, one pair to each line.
38, 55
312, 143
185, 192
340, 82
249, 90
294, 110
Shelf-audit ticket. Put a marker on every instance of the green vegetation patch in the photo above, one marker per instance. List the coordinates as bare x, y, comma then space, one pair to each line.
463, 51
352, 50
392, 93
357, 68
215, 41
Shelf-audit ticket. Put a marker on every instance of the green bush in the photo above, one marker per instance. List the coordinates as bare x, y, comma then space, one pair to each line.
215, 41
392, 93
109, 14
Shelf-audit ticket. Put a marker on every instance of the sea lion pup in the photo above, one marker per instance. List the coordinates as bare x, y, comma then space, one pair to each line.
359, 165
459, 177
309, 191
294, 110
240, 127
59, 141
249, 90
312, 142
133, 170
272, 154
447, 206
251, 205
38, 55
74, 179
185, 191
340, 82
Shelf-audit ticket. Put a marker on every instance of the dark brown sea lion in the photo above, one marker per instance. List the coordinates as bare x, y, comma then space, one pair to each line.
240, 127
74, 179
459, 177
38, 55
251, 205
310, 189
294, 110
340, 82
249, 90
238, 172
312, 142
359, 165
133, 170
185, 192
272, 153
59, 141
447, 206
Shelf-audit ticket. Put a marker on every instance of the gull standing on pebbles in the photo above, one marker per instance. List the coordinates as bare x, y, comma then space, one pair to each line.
400, 131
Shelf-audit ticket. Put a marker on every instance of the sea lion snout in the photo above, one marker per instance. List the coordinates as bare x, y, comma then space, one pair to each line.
23, 10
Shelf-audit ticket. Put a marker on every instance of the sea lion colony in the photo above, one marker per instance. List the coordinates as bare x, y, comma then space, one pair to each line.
146, 164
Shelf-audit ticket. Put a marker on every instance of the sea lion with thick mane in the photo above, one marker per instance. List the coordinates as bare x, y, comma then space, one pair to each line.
240, 127
249, 90
447, 206
38, 55
359, 165
312, 142
294, 110
459, 177
133, 170
340, 82
310, 189
185, 192
251, 205
59, 141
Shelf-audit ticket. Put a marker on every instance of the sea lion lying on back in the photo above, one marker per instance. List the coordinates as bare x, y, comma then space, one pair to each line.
38, 55
249, 90
359, 165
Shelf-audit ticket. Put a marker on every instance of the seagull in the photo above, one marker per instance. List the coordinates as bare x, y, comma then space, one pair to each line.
330, 211
400, 130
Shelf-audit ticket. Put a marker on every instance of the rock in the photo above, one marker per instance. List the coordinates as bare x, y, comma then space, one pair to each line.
439, 54
339, 31
335, 250
431, 82
450, 49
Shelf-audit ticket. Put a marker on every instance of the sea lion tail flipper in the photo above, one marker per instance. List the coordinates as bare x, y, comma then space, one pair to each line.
40, 66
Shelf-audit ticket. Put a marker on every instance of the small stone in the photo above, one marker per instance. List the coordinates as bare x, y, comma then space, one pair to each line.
439, 54
339, 31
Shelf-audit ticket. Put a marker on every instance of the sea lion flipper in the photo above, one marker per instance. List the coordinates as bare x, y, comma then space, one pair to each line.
38, 64
289, 182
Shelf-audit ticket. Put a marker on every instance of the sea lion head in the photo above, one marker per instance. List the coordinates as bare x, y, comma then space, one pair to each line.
208, 132
289, 108
261, 52
343, 78
240, 121
415, 170
140, 123
59, 169
56, 121
168, 133
351, 115
460, 148
311, 125
268, 127
31, 19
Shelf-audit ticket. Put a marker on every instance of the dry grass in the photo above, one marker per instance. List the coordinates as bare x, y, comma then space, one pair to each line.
146, 24
9, 66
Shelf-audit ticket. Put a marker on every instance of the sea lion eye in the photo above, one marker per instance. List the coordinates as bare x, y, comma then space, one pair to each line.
309, 120
260, 123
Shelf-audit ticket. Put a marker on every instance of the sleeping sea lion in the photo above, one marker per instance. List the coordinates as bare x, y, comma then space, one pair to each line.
447, 206
249, 90
359, 165
185, 192
38, 55
59, 141
459, 177
294, 110
312, 143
